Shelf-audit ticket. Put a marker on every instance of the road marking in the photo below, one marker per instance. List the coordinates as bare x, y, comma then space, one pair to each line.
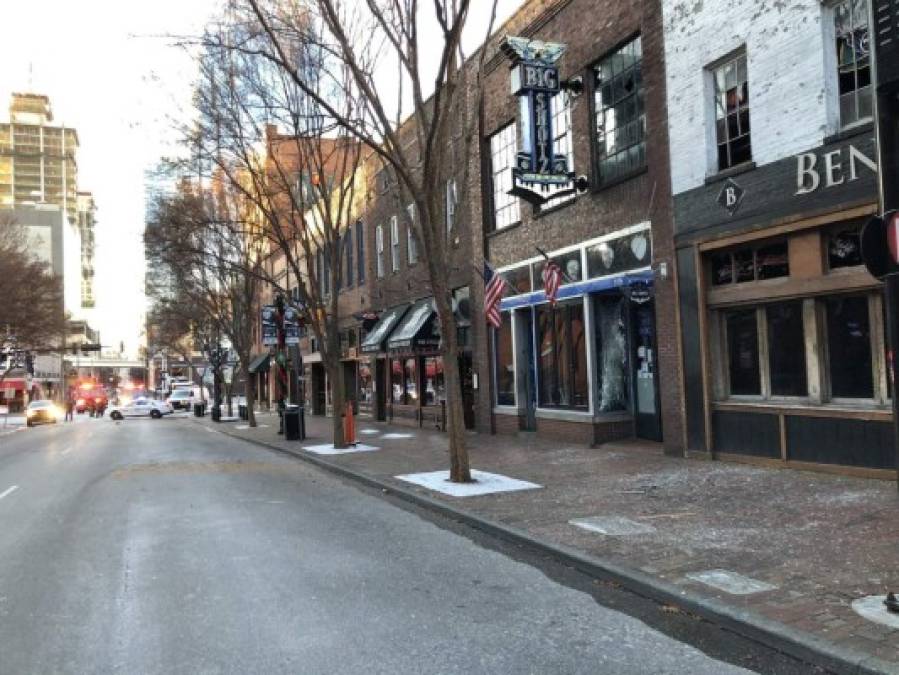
9, 491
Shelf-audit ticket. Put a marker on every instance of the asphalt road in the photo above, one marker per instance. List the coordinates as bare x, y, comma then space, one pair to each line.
163, 547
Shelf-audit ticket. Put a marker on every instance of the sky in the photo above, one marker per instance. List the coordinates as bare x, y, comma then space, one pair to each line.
113, 72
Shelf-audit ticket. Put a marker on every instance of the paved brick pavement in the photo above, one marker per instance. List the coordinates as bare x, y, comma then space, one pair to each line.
821, 540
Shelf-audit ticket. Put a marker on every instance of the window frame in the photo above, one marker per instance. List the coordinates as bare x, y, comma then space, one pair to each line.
833, 66
394, 244
508, 150
712, 71
596, 156
379, 251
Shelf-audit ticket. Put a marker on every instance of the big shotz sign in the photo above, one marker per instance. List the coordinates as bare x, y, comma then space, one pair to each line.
540, 173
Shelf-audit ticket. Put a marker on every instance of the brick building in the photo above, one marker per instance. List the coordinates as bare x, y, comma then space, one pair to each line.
773, 175
603, 363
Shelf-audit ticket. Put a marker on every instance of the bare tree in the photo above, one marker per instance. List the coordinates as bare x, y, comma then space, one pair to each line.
32, 315
296, 166
200, 239
358, 42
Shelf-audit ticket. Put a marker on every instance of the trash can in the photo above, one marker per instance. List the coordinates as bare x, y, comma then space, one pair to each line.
242, 412
292, 430
199, 410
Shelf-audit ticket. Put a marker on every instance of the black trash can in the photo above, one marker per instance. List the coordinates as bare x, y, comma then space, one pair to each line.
292, 423
242, 412
198, 410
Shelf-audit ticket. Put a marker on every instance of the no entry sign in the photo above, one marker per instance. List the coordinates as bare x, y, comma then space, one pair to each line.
892, 227
880, 244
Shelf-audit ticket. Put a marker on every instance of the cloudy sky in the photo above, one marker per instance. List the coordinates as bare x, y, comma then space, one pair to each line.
112, 73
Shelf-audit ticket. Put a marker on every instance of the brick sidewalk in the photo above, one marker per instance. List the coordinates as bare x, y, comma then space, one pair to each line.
821, 540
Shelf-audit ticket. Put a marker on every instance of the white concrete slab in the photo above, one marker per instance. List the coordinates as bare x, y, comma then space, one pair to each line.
873, 609
369, 432
484, 483
613, 526
395, 436
247, 426
329, 449
731, 582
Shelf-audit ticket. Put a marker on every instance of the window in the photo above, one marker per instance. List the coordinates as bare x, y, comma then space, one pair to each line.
743, 353
751, 263
518, 279
850, 18
410, 380
503, 148
366, 388
563, 356
732, 112
411, 237
360, 253
450, 207
396, 381
849, 347
504, 362
348, 263
786, 349
569, 263
561, 115
611, 348
619, 109
394, 244
619, 255
434, 389
379, 246
844, 248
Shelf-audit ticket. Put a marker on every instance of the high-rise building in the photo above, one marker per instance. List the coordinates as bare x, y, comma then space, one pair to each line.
37, 158
87, 219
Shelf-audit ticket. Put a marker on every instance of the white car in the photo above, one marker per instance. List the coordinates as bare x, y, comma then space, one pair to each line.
182, 397
141, 407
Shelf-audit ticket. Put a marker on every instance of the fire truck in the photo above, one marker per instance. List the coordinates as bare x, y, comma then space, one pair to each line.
90, 396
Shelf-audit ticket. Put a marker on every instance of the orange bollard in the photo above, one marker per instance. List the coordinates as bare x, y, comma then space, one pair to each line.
349, 425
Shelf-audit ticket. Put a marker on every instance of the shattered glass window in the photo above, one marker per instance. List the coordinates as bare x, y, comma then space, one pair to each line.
611, 338
732, 112
850, 19
844, 247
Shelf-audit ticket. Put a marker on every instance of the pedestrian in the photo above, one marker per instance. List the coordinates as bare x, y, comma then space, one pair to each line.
70, 407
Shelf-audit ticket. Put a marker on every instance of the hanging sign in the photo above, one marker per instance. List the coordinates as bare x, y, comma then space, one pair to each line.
639, 292
269, 325
291, 326
539, 173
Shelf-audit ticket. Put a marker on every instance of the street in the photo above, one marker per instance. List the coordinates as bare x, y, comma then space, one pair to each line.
162, 546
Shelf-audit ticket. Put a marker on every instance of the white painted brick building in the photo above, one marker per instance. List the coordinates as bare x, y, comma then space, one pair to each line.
792, 78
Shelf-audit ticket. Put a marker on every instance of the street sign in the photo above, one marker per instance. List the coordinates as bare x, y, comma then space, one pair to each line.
880, 244
269, 325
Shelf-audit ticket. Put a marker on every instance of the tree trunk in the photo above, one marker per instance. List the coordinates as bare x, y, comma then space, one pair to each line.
337, 402
250, 390
228, 398
460, 470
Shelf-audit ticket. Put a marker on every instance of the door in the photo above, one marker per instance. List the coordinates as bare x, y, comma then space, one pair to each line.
644, 357
381, 385
318, 389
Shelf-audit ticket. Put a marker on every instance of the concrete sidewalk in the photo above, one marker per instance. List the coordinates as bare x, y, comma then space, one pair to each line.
779, 555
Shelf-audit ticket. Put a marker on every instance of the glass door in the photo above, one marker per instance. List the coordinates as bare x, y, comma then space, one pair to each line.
647, 412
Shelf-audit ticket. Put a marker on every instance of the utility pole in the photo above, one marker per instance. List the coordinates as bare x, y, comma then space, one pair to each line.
280, 359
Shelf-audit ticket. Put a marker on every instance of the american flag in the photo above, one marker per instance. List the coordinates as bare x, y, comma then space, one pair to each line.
552, 279
494, 287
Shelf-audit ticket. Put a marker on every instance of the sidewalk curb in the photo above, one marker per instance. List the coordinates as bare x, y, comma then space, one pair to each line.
799, 644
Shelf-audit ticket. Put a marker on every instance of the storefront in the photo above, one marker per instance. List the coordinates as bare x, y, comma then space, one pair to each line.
783, 328
376, 379
259, 369
417, 391
584, 369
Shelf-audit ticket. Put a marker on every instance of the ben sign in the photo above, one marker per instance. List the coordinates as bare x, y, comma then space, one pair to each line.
540, 173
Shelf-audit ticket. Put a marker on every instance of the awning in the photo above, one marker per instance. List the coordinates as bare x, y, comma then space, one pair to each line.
417, 328
579, 288
259, 362
16, 383
374, 341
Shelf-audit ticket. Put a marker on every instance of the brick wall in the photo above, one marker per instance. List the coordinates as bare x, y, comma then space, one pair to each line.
590, 35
